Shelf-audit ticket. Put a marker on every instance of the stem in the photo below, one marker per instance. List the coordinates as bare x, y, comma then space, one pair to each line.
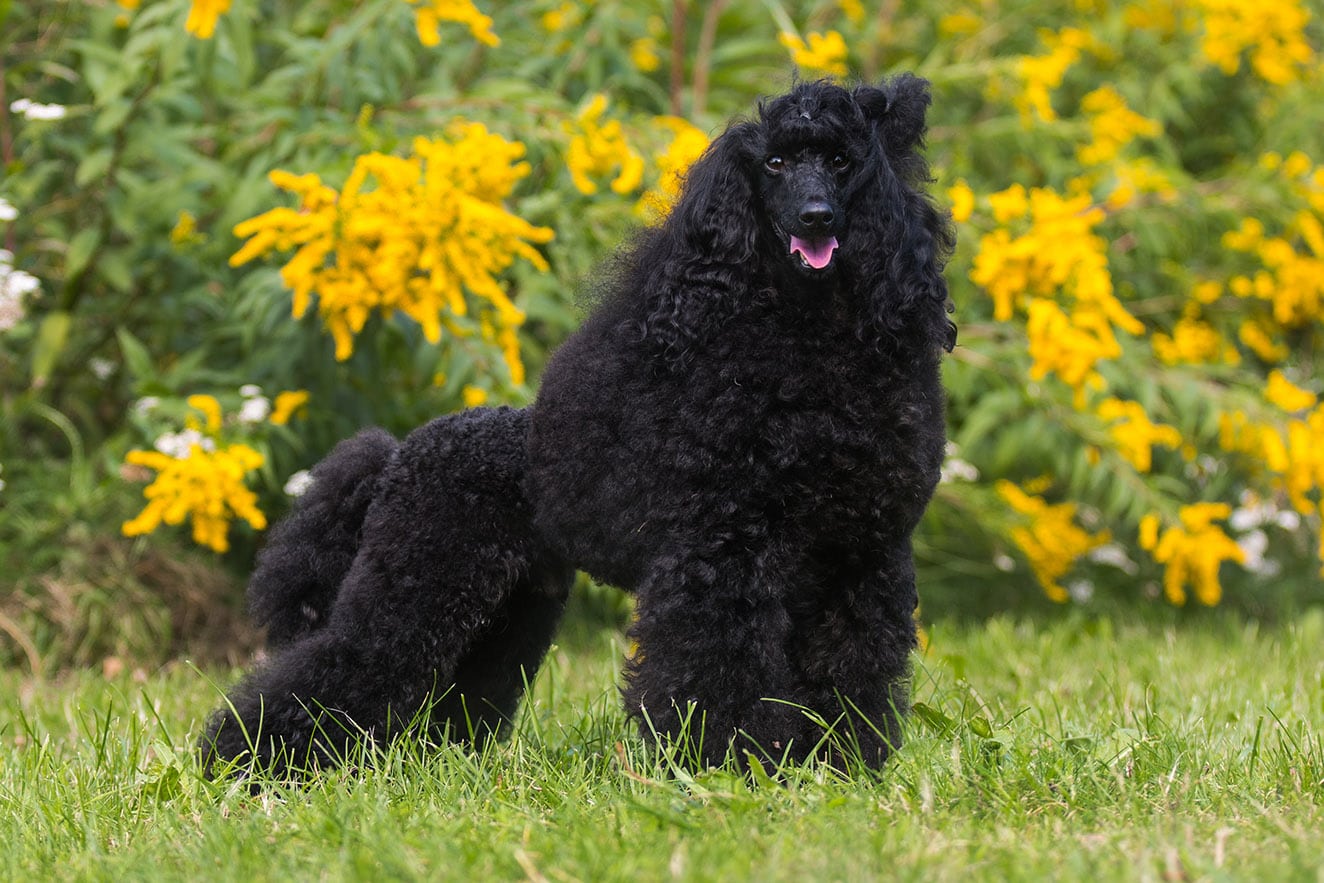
703, 61
678, 19
886, 16
6, 151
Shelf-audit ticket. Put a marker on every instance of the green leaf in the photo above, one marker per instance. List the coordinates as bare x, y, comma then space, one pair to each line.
934, 719
81, 248
93, 166
51, 338
113, 117
114, 268
758, 773
136, 356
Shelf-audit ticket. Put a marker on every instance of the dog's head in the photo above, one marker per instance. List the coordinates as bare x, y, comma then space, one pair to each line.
824, 191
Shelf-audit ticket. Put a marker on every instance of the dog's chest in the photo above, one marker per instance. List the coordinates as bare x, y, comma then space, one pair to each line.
824, 412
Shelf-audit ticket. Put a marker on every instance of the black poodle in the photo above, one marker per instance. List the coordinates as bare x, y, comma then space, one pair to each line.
744, 433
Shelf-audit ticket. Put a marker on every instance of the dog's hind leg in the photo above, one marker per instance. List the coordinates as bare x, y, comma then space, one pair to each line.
448, 568
490, 679
307, 555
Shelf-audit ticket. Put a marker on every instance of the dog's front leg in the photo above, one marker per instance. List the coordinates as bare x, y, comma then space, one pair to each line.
709, 672
852, 642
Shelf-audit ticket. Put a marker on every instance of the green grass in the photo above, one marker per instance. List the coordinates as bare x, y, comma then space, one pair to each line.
1066, 748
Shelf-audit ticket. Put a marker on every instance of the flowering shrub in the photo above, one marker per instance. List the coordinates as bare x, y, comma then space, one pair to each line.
392, 205
203, 469
1159, 345
431, 230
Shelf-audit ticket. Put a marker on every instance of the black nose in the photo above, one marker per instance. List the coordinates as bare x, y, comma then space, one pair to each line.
816, 216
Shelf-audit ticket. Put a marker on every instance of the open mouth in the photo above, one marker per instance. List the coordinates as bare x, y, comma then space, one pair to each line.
814, 253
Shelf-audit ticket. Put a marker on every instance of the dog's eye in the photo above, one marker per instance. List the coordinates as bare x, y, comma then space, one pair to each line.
841, 162
774, 164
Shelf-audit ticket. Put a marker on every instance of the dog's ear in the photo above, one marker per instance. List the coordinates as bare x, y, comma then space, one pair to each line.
907, 106
714, 218
897, 108
710, 235
913, 285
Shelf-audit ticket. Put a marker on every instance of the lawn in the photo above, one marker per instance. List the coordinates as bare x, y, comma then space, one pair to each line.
1060, 747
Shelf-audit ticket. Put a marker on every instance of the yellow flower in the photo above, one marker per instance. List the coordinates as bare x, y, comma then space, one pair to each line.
428, 15
853, 10
1041, 74
1049, 538
597, 150
1070, 346
563, 17
957, 24
205, 487
687, 144
1194, 342
1113, 125
1010, 204
185, 231
819, 53
286, 404
1274, 33
1286, 394
202, 17
1292, 452
1059, 256
1161, 16
211, 410
1134, 434
428, 240
644, 54
473, 396
1207, 292
1291, 280
1192, 551
963, 201
1134, 178
1257, 337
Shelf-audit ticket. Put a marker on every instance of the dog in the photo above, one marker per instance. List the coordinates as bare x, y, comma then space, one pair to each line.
744, 433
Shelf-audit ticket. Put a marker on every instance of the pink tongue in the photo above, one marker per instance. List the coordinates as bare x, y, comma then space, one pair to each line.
816, 252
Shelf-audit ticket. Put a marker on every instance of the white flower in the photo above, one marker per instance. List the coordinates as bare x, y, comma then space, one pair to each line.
299, 483
1254, 545
180, 444
1114, 555
7, 210
249, 390
2, 481
1081, 590
11, 311
956, 469
146, 404
254, 410
31, 110
101, 368
15, 285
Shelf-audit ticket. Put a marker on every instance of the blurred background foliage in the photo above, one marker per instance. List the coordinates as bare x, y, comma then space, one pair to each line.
1134, 404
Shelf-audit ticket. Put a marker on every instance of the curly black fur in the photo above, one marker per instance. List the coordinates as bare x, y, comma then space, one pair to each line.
744, 433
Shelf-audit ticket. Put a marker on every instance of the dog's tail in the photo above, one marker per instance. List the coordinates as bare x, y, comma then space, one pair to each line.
307, 555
